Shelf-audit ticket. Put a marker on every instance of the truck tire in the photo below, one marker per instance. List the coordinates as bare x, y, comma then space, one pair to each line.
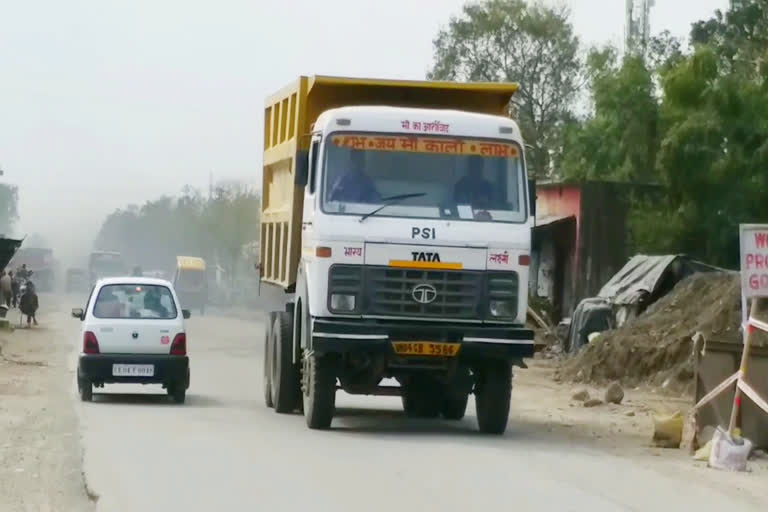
422, 398
319, 397
454, 406
267, 376
285, 374
492, 395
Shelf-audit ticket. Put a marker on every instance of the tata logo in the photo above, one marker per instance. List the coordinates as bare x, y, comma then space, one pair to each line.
425, 256
424, 293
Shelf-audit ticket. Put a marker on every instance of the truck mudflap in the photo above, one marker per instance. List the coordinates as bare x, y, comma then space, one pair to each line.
478, 341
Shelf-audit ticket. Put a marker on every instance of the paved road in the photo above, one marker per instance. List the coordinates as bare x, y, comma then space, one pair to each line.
224, 450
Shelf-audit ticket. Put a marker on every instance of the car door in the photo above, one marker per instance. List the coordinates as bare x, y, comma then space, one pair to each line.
121, 335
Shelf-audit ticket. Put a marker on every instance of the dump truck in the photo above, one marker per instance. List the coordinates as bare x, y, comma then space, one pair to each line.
396, 226
40, 261
105, 264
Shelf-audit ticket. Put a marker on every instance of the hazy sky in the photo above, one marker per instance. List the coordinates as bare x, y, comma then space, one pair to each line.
107, 102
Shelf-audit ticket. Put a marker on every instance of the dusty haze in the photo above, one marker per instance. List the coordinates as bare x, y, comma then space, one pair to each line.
103, 104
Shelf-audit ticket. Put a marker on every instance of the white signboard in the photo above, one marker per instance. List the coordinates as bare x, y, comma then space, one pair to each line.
754, 259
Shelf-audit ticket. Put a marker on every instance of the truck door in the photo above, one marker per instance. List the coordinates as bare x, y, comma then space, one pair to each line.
311, 191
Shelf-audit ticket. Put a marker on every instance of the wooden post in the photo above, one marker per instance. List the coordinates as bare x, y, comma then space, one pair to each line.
743, 367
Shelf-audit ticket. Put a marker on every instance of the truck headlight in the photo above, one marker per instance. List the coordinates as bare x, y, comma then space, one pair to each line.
503, 290
342, 302
503, 308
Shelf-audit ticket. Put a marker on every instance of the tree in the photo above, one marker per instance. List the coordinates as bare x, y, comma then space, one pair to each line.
714, 153
619, 141
511, 41
9, 212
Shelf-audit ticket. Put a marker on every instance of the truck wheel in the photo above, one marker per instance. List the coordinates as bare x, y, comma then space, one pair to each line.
454, 405
422, 398
267, 377
492, 395
319, 397
85, 387
285, 375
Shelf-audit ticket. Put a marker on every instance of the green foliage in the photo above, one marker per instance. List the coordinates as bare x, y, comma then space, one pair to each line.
9, 204
155, 233
619, 141
513, 41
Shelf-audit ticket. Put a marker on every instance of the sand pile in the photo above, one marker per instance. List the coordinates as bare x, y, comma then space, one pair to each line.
656, 347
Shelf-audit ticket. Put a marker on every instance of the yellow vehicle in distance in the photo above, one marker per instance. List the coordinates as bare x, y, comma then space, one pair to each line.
191, 282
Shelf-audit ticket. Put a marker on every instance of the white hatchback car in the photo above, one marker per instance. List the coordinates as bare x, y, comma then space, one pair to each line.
133, 332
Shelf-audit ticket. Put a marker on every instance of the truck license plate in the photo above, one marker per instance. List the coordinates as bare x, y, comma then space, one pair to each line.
425, 348
133, 370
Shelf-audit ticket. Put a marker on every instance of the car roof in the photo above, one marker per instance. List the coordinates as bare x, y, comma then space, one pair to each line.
134, 280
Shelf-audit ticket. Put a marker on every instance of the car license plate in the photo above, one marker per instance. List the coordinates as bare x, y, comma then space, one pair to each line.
133, 370
425, 348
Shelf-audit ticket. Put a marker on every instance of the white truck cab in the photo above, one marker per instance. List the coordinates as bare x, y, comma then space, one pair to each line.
406, 248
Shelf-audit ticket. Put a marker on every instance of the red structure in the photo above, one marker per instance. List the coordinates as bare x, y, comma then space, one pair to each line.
580, 239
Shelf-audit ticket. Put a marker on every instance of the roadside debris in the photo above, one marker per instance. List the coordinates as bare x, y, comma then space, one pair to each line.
582, 395
614, 394
729, 453
593, 402
656, 347
668, 430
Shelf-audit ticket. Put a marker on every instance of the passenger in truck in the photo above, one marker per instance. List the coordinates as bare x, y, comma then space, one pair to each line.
473, 189
355, 186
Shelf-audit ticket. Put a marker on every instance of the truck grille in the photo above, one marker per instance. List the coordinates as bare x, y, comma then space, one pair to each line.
459, 294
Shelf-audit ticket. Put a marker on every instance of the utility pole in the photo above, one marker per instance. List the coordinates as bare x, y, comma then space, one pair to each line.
637, 26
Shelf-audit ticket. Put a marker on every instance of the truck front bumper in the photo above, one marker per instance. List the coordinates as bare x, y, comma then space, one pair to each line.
478, 341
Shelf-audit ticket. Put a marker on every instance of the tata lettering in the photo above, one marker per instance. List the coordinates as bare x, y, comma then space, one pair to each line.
425, 256
425, 233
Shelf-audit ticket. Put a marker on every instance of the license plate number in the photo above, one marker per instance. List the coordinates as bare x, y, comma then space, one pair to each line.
425, 348
133, 370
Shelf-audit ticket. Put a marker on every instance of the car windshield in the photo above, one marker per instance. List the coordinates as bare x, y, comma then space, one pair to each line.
136, 301
448, 178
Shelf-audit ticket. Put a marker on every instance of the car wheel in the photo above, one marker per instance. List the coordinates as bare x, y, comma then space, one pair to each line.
178, 392
492, 396
85, 387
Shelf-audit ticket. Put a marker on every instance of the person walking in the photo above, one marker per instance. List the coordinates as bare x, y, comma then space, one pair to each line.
29, 304
5, 289
15, 287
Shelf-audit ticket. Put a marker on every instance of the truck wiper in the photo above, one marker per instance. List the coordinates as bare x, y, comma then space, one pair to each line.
390, 201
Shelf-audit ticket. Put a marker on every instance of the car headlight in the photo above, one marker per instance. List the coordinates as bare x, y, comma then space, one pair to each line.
342, 302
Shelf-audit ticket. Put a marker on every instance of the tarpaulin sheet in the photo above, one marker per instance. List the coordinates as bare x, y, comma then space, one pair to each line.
8, 248
644, 275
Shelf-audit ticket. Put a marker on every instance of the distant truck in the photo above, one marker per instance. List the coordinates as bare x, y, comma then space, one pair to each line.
396, 219
40, 261
106, 264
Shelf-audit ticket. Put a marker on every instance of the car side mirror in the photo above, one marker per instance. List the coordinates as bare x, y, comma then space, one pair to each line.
78, 313
186, 313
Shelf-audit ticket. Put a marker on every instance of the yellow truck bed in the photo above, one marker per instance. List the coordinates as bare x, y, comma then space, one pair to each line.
288, 116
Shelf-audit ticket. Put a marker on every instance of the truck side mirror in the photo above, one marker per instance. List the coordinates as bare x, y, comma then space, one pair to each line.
302, 168
78, 313
186, 313
532, 196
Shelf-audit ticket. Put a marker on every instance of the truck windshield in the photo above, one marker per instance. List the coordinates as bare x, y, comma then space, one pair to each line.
465, 179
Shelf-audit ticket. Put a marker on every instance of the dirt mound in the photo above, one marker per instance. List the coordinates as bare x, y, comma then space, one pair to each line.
656, 347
